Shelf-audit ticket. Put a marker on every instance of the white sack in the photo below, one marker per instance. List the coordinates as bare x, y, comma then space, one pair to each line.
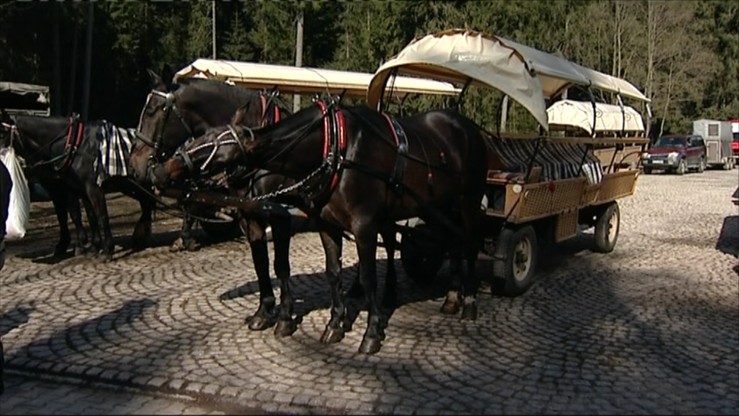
19, 209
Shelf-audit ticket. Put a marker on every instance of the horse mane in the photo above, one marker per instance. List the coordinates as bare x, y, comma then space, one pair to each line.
217, 87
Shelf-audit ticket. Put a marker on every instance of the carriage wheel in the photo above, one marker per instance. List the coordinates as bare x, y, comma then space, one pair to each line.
421, 253
606, 229
514, 261
226, 230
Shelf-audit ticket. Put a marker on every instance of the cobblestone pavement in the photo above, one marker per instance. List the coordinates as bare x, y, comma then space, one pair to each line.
651, 328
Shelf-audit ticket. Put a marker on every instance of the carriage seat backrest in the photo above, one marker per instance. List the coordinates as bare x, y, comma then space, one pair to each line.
556, 160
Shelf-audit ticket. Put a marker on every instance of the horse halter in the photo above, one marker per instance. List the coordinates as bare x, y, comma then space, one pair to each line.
169, 107
226, 137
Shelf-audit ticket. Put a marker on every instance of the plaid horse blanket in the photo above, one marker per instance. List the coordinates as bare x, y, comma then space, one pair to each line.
114, 144
557, 160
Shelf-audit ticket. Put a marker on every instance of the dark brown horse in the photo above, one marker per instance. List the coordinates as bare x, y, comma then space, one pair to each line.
359, 175
170, 117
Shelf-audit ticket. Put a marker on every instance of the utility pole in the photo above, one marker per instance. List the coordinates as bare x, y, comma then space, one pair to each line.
213, 30
298, 56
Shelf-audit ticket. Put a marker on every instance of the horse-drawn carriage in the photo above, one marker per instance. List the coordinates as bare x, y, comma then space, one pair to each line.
430, 176
539, 187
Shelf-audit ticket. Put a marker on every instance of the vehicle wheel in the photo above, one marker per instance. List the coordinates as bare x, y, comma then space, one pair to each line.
514, 260
606, 229
727, 165
421, 253
647, 171
226, 230
701, 166
682, 167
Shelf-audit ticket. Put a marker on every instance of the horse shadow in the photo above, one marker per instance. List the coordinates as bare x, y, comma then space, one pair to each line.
308, 298
728, 238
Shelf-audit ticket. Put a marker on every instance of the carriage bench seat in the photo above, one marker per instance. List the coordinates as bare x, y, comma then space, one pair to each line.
557, 160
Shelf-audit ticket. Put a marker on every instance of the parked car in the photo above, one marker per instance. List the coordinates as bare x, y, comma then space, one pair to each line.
676, 153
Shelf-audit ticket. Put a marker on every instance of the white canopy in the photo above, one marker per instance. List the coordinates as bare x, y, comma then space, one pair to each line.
526, 74
21, 98
304, 80
459, 56
608, 117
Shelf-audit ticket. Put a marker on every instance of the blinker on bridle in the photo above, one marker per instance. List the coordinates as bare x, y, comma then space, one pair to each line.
169, 104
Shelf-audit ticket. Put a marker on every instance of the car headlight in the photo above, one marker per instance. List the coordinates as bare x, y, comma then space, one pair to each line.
645, 155
673, 155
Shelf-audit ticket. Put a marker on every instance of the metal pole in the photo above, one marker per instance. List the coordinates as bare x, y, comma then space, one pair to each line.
298, 56
88, 62
213, 30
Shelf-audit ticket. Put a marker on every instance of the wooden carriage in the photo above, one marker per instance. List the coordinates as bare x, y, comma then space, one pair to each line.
544, 186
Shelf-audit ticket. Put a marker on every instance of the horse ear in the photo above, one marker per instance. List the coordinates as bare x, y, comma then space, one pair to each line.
239, 115
167, 74
156, 80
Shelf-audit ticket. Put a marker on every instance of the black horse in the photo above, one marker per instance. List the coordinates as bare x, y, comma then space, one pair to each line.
173, 115
79, 161
360, 175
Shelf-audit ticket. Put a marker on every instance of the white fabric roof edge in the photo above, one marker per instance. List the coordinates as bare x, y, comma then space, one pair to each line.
304, 80
22, 88
571, 113
424, 56
460, 55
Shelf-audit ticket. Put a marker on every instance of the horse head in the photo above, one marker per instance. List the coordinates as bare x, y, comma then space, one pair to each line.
216, 151
172, 116
158, 129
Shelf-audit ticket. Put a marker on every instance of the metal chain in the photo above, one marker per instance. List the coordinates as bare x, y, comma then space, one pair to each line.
293, 186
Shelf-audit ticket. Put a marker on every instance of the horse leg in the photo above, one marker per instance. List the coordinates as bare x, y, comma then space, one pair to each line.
389, 296
366, 239
95, 236
286, 324
100, 208
331, 240
453, 301
265, 314
59, 200
471, 219
142, 230
185, 240
73, 205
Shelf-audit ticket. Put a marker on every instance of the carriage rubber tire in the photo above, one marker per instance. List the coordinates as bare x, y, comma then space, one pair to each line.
226, 230
605, 233
420, 255
514, 246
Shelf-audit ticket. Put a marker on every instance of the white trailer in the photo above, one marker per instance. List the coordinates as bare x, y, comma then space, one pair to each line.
718, 138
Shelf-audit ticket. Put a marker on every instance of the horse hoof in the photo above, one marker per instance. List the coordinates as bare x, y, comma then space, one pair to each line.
469, 312
332, 335
191, 246
370, 346
285, 328
257, 323
178, 245
450, 307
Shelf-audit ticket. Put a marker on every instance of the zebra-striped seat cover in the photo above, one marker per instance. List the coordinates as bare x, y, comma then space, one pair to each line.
557, 160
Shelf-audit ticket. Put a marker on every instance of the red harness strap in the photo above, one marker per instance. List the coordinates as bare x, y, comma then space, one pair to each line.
275, 111
72, 143
338, 116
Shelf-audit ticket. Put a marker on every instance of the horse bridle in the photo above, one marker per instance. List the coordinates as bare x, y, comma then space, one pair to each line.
215, 144
157, 143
